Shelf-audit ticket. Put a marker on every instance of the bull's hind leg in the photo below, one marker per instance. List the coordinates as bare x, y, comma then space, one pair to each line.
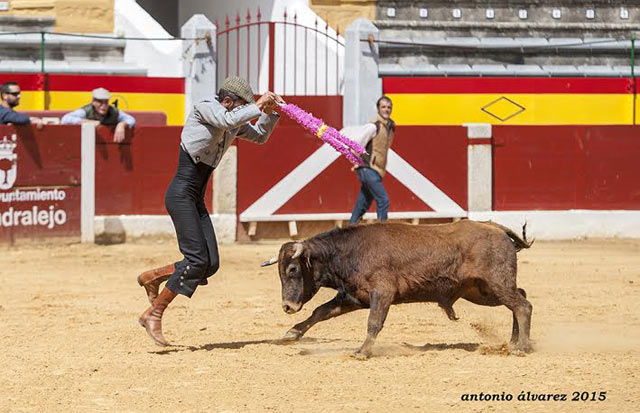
522, 309
379, 308
447, 306
515, 330
339, 305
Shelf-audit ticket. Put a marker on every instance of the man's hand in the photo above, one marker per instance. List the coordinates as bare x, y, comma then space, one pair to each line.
267, 102
37, 122
119, 134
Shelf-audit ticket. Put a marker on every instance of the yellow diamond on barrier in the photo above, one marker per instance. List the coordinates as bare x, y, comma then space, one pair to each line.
503, 108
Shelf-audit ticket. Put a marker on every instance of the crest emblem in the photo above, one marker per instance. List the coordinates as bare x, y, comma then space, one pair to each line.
8, 162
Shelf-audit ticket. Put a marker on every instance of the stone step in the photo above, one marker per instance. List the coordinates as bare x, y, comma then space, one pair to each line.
26, 24
82, 67
27, 47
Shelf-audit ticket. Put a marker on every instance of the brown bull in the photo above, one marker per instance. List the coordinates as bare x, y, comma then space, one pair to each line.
375, 266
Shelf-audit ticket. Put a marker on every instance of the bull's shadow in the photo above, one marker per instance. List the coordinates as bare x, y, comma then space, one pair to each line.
392, 350
235, 345
470, 347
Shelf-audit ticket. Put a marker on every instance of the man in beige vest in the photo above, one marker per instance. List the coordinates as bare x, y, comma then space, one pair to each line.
378, 139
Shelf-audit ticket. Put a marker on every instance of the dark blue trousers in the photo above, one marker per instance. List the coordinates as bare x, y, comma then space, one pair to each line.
371, 188
184, 201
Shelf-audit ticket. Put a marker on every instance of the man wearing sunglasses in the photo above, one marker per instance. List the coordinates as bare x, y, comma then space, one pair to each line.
10, 94
99, 112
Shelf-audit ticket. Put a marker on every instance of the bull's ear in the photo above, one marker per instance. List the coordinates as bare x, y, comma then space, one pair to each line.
270, 262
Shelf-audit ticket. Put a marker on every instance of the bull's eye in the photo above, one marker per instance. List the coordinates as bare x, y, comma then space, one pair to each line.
292, 270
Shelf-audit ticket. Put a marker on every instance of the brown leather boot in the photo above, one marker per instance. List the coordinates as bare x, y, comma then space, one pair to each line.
151, 319
152, 279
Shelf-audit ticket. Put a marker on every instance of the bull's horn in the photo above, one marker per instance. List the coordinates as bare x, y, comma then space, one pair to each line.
297, 251
270, 262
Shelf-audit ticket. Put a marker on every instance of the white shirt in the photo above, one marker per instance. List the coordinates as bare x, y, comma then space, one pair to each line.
361, 134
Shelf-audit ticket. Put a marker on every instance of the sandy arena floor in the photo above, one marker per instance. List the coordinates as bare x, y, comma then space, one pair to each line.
70, 339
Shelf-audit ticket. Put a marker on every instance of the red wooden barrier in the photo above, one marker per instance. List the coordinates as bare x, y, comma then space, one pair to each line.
262, 166
437, 153
143, 118
39, 182
566, 167
132, 178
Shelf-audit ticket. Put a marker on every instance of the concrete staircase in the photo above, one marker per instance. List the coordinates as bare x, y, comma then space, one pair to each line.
505, 38
21, 48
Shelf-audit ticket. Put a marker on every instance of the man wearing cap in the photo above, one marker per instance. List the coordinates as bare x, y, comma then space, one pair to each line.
99, 112
208, 132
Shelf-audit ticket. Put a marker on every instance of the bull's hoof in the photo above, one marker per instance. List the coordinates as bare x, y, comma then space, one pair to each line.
361, 355
291, 336
519, 350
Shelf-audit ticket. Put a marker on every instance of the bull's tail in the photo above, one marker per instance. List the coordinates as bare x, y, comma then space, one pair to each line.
519, 243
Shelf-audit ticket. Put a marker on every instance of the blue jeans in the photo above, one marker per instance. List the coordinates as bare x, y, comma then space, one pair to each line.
371, 189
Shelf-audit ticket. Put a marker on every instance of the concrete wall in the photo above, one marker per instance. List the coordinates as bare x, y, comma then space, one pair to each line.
363, 87
78, 16
165, 12
339, 14
160, 58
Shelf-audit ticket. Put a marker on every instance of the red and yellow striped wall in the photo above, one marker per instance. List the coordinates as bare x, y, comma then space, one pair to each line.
512, 101
69, 92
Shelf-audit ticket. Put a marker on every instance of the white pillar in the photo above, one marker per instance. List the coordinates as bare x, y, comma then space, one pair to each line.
88, 183
225, 184
199, 61
362, 86
479, 167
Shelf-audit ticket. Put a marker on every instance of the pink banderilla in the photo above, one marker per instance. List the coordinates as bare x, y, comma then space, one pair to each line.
316, 126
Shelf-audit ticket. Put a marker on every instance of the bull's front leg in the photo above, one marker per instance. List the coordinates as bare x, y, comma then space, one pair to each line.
379, 308
337, 306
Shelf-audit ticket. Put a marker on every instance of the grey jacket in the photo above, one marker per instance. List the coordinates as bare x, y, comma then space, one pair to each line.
210, 129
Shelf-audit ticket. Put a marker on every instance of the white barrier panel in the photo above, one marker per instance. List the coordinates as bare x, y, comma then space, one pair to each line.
572, 224
88, 189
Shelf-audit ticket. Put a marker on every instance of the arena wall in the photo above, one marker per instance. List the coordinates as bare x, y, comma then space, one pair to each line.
566, 181
512, 100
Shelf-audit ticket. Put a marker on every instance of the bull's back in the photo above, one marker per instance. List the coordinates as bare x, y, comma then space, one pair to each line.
443, 239
424, 262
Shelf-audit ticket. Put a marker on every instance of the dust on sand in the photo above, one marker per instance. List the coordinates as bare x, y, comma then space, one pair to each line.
70, 339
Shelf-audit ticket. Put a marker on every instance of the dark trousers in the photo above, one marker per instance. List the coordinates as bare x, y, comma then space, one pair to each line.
371, 188
184, 201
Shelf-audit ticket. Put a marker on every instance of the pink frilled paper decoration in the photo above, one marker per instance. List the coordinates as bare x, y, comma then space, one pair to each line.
340, 143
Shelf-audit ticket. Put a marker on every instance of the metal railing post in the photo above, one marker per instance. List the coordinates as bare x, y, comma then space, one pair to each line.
42, 52
633, 77
272, 50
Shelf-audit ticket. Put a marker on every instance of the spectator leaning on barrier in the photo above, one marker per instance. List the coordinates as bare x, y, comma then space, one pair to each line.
99, 112
377, 140
10, 92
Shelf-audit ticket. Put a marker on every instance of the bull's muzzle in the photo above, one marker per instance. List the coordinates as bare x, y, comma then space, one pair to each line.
291, 308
